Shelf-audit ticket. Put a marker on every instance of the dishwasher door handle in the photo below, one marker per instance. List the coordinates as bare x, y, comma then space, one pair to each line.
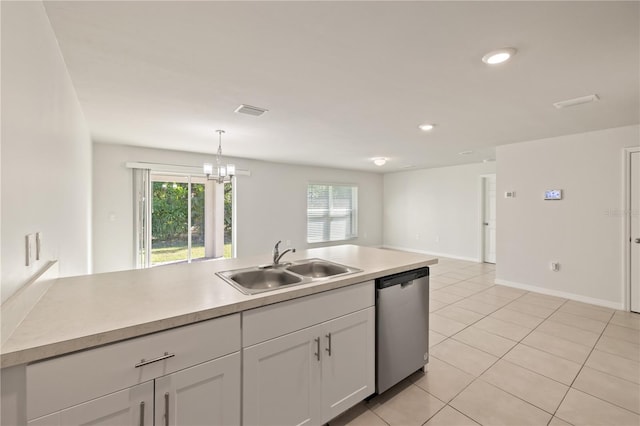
406, 284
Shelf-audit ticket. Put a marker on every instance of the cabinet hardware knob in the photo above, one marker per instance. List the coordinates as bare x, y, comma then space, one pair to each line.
143, 361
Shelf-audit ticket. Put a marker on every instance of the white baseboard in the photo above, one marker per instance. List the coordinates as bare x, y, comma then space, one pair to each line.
16, 307
563, 294
432, 253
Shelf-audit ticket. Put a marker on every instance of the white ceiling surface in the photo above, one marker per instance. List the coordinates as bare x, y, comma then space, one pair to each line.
348, 81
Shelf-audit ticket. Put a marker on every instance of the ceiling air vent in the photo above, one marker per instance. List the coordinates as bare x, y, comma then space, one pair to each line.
251, 110
576, 101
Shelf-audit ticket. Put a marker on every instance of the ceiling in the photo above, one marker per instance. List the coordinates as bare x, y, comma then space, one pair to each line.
348, 81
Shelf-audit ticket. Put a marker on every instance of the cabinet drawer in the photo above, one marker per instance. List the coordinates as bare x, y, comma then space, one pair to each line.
71, 379
275, 320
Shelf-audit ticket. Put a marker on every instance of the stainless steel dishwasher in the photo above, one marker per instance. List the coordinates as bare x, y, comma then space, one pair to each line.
402, 326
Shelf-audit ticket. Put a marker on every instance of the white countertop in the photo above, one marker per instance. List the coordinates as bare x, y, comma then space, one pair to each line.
91, 310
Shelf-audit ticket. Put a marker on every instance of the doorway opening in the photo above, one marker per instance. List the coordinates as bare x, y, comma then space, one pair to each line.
632, 225
488, 232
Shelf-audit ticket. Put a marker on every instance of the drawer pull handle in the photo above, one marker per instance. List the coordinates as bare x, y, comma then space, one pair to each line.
317, 354
166, 355
328, 349
166, 409
142, 413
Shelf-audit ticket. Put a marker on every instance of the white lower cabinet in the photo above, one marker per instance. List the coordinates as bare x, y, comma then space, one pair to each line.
311, 375
207, 394
133, 406
185, 376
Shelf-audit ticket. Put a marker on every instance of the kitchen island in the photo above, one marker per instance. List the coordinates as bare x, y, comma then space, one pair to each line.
94, 312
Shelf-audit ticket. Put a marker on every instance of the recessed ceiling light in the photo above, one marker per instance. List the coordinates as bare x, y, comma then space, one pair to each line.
426, 127
465, 153
499, 56
407, 166
379, 161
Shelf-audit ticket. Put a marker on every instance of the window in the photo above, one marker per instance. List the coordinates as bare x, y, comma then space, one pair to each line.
332, 212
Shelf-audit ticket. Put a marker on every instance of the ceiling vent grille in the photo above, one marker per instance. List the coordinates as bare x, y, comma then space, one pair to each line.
576, 101
251, 110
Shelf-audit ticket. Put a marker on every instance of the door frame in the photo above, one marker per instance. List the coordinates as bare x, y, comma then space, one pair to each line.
481, 212
626, 226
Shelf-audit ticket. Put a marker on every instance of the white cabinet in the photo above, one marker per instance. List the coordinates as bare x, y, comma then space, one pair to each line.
311, 375
207, 394
184, 376
132, 406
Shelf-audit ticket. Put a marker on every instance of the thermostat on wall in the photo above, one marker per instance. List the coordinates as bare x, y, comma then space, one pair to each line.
553, 194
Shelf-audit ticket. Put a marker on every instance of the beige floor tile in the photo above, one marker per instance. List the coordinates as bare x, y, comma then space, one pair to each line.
459, 291
435, 305
443, 380
588, 311
456, 275
622, 333
485, 341
444, 279
460, 314
502, 328
577, 321
531, 309
444, 325
450, 417
612, 389
543, 300
520, 318
579, 409
626, 319
488, 405
619, 347
464, 357
508, 292
435, 284
442, 296
534, 388
551, 366
483, 279
490, 298
474, 286
435, 338
476, 306
558, 422
405, 405
359, 415
573, 334
557, 346
615, 365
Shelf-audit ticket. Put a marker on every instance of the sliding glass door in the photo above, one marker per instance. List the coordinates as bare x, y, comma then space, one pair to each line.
181, 218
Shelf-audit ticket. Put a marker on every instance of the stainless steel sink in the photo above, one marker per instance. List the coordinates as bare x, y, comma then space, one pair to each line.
259, 279
318, 269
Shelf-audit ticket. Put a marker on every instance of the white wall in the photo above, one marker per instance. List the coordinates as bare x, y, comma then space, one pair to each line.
584, 231
271, 203
435, 211
46, 151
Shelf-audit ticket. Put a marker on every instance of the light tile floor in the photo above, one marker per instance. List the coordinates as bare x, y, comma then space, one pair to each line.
503, 356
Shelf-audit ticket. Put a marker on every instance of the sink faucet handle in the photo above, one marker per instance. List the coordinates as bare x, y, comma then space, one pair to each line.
276, 252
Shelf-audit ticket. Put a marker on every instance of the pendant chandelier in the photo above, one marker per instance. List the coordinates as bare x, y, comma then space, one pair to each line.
223, 173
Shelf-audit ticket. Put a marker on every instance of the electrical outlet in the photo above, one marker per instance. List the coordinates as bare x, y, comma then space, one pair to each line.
417, 236
510, 194
437, 238
555, 266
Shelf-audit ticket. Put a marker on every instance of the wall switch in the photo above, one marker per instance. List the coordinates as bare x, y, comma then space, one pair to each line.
555, 266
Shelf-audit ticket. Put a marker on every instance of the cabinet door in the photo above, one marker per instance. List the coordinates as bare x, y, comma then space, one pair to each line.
207, 394
133, 406
281, 380
348, 369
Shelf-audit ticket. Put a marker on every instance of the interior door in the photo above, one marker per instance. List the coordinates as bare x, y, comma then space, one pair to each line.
489, 219
634, 196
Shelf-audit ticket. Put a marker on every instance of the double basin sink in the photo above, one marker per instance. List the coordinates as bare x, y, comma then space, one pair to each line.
259, 279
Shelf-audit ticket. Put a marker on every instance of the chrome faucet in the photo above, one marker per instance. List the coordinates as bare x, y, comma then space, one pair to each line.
277, 255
